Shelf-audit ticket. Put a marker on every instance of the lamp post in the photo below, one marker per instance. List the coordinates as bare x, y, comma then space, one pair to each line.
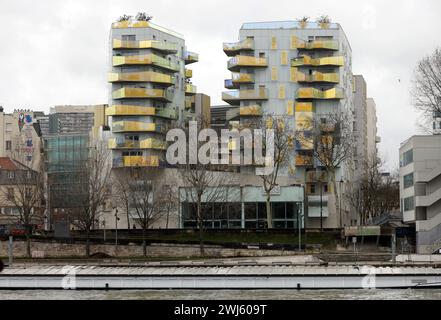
116, 230
341, 194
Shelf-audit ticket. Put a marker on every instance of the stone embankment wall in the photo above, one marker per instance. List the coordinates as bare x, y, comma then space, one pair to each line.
55, 249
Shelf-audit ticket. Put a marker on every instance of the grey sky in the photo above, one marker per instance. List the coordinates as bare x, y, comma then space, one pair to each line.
55, 52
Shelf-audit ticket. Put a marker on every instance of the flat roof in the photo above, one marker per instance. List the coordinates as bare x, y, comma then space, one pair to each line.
285, 25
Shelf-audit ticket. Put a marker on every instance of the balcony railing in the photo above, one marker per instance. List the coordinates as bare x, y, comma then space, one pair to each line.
317, 44
326, 61
129, 110
146, 44
190, 57
148, 76
238, 62
314, 176
312, 93
245, 111
190, 89
148, 59
150, 143
167, 113
234, 97
315, 77
304, 160
238, 79
188, 103
133, 126
142, 93
233, 48
188, 73
137, 161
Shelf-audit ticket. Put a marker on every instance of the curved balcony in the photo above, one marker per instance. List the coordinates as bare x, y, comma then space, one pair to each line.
190, 57
133, 126
137, 161
326, 61
150, 143
244, 111
188, 103
147, 76
316, 44
234, 64
234, 97
312, 93
129, 110
142, 93
233, 48
167, 113
238, 79
188, 73
304, 160
148, 59
162, 46
315, 77
190, 89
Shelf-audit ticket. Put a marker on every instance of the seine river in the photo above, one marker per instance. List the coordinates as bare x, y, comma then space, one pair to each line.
383, 294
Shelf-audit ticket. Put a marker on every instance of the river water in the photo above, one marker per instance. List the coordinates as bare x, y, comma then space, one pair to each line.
379, 294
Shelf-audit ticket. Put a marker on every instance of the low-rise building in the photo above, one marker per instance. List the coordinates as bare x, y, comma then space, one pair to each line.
420, 189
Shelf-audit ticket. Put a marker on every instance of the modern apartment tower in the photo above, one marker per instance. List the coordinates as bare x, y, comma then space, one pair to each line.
150, 90
298, 70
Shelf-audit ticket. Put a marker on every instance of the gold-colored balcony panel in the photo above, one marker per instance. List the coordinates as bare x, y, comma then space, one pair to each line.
133, 126
146, 76
129, 110
141, 161
147, 59
312, 93
190, 57
251, 111
130, 24
190, 89
315, 76
234, 97
315, 44
325, 61
304, 160
233, 48
150, 143
188, 73
163, 46
237, 62
237, 79
142, 93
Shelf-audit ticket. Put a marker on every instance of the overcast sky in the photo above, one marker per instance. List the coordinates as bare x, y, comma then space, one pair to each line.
55, 52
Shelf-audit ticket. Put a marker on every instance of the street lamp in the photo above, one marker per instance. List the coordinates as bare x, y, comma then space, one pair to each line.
116, 230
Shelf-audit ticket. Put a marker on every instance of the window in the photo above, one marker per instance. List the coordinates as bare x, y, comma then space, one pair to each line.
406, 158
408, 181
273, 43
282, 93
11, 174
274, 74
129, 37
409, 204
261, 54
284, 57
8, 145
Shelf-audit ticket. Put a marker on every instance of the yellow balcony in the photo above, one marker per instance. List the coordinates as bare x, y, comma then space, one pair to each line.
142, 93
150, 143
234, 64
312, 93
130, 24
250, 111
314, 176
231, 49
141, 161
128, 110
148, 59
234, 97
314, 77
190, 57
316, 44
148, 76
304, 160
238, 79
188, 103
133, 126
188, 73
326, 61
166, 47
190, 89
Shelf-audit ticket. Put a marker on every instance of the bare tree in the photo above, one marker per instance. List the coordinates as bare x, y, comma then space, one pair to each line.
25, 192
170, 196
426, 86
97, 173
122, 190
142, 16
333, 144
283, 139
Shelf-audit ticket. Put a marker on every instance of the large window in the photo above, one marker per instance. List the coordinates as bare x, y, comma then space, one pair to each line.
408, 181
409, 204
406, 158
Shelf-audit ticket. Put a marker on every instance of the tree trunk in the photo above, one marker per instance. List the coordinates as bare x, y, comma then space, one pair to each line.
144, 243
128, 218
87, 244
168, 215
28, 242
337, 198
201, 225
269, 218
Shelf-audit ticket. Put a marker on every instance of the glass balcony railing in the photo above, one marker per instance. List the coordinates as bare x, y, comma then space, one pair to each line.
250, 111
304, 160
142, 93
148, 59
129, 110
238, 79
146, 44
312, 93
234, 97
326, 61
133, 126
315, 77
314, 176
148, 76
316, 44
137, 161
150, 143
238, 62
190, 57
190, 89
234, 48
168, 113
188, 73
